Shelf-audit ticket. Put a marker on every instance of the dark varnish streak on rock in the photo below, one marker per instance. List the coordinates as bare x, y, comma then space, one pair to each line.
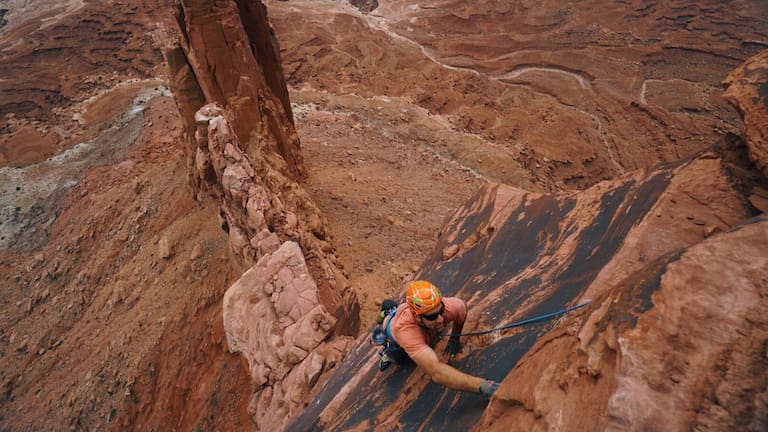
763, 92
437, 408
364, 402
636, 298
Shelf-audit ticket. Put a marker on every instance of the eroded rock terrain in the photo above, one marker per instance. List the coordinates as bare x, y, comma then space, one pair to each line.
112, 274
525, 156
572, 93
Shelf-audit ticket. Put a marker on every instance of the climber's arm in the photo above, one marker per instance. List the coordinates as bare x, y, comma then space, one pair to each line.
445, 374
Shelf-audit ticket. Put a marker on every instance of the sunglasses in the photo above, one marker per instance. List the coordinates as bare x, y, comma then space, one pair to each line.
433, 316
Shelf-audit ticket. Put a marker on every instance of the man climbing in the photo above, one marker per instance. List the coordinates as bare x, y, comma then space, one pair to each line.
415, 328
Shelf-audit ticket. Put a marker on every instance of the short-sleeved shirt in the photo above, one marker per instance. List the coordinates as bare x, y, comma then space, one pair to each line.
412, 337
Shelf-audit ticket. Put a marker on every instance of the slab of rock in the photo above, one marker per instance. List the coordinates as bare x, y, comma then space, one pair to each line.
676, 318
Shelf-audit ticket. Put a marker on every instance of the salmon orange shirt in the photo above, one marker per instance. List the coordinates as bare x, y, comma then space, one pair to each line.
412, 337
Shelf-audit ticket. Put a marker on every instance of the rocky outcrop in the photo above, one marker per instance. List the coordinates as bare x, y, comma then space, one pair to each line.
747, 90
365, 6
291, 313
261, 208
234, 56
673, 260
273, 316
246, 150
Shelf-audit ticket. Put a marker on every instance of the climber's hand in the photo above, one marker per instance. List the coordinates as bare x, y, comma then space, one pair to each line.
488, 388
453, 346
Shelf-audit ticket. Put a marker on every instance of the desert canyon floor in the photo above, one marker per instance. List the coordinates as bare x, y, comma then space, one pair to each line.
112, 273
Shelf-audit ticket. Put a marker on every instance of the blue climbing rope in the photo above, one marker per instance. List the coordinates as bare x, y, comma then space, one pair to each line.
521, 323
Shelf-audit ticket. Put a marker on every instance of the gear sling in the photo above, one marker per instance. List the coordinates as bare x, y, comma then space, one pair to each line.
390, 350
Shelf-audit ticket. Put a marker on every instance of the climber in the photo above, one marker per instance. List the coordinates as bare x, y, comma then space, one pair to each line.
413, 329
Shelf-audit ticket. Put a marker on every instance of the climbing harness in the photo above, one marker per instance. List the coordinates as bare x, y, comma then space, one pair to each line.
383, 336
520, 323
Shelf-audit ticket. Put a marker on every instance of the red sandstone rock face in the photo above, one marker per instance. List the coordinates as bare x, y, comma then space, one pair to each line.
673, 263
289, 312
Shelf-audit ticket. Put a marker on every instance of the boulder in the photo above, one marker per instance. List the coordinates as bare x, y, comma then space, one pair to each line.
273, 318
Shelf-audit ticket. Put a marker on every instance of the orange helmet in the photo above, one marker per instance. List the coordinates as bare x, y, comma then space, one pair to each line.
422, 296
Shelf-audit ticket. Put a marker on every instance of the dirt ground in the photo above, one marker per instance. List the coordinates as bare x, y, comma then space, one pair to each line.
383, 186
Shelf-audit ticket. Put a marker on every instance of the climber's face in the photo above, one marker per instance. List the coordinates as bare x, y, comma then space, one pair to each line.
433, 318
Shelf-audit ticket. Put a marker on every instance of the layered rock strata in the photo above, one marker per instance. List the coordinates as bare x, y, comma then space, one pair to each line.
60, 57
625, 85
291, 313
